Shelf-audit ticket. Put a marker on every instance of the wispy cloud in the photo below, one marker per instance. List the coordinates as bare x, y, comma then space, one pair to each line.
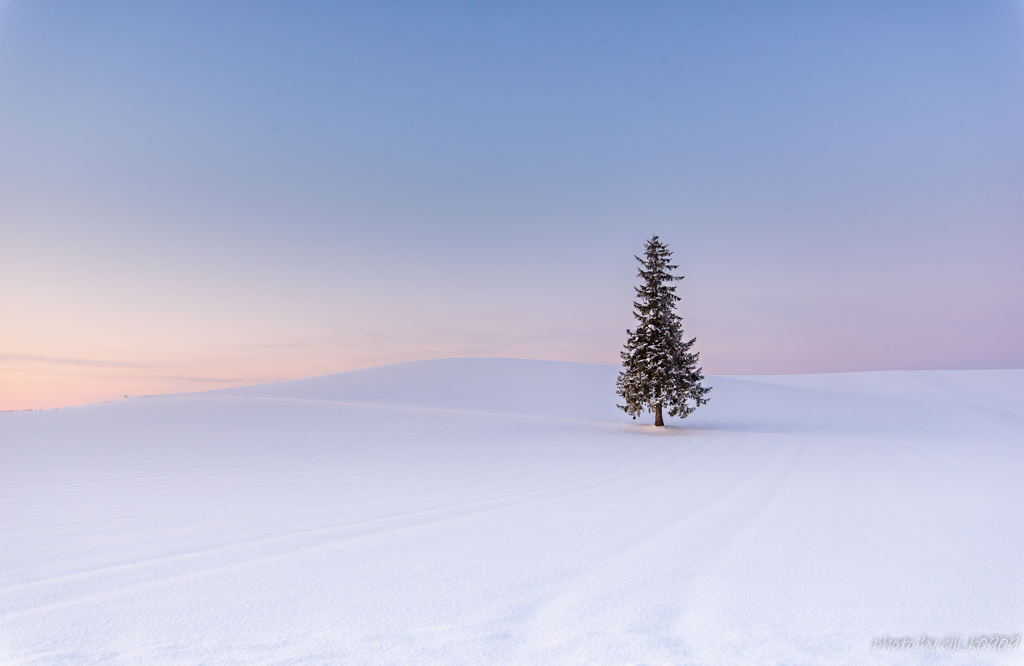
216, 380
54, 360
92, 363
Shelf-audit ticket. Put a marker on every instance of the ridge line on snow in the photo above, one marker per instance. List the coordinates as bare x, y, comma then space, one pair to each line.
384, 405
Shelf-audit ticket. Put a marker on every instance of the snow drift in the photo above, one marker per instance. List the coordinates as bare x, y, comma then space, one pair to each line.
489, 511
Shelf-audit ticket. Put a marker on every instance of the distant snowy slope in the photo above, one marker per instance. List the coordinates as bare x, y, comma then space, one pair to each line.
497, 385
587, 392
496, 511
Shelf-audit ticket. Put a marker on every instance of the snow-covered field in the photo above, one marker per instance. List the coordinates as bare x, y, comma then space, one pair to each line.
487, 511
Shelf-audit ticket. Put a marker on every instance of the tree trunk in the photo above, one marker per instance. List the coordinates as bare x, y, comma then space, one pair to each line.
658, 421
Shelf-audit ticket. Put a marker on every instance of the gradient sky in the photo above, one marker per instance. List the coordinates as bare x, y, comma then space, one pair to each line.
203, 194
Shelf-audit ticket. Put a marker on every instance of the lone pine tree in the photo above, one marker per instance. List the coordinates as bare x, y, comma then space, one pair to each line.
659, 369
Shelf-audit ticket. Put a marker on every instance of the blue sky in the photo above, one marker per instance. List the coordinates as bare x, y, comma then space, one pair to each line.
195, 195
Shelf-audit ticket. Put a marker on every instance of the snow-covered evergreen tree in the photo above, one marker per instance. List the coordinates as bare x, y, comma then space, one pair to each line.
659, 369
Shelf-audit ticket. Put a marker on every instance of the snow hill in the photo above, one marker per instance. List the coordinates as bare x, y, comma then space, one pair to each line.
495, 511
